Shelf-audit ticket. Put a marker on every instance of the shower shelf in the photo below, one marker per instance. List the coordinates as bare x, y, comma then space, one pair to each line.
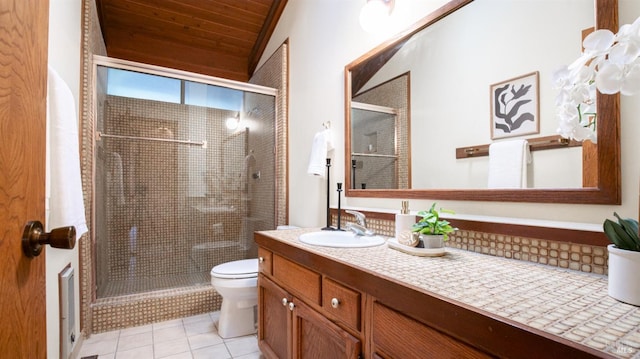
186, 142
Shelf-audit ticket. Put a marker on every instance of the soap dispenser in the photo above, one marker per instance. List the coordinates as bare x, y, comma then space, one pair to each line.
404, 222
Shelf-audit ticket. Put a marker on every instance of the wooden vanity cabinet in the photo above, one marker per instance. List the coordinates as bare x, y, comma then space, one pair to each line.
374, 317
289, 326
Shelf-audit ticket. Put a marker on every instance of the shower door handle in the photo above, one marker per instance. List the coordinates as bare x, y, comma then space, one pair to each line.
34, 237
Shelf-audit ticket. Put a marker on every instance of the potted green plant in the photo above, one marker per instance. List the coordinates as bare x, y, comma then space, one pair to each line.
624, 259
432, 231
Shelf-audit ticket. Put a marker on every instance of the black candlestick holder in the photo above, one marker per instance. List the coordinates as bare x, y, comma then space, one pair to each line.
328, 227
339, 192
353, 173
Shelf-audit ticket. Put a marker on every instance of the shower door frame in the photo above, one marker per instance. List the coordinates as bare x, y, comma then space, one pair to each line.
88, 273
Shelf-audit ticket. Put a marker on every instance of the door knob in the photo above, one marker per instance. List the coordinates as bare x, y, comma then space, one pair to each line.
34, 237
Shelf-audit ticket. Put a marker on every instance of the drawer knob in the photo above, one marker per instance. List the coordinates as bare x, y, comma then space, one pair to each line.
285, 301
335, 302
261, 260
291, 306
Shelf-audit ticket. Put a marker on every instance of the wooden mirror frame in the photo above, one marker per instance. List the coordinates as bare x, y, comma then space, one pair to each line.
608, 189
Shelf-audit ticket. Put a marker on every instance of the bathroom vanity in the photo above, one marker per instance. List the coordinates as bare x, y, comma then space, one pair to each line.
376, 302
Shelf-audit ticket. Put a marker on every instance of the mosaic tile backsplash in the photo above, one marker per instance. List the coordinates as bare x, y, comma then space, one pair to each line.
579, 257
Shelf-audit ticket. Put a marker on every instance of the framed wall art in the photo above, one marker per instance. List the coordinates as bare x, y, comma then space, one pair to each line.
515, 106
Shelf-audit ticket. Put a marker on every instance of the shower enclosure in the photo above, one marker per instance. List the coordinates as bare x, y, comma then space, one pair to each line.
184, 174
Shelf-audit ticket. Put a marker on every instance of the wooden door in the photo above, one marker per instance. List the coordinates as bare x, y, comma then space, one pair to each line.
23, 85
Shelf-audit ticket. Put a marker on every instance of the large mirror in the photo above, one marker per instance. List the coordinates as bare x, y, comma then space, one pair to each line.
434, 80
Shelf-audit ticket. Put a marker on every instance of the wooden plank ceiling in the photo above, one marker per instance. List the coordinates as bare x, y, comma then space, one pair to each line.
222, 38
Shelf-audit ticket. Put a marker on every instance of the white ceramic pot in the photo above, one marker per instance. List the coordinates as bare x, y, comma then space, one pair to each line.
432, 240
624, 281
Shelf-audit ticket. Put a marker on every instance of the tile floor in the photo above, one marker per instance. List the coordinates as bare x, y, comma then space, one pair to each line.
187, 338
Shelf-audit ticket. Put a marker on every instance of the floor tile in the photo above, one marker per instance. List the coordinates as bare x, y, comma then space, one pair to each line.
256, 355
185, 355
169, 333
213, 352
204, 340
242, 346
134, 341
99, 348
194, 337
136, 330
200, 327
166, 347
168, 323
145, 352
197, 318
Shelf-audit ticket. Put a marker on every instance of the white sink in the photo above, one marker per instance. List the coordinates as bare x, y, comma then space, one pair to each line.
340, 239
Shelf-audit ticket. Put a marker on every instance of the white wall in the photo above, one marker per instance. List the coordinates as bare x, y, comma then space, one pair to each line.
65, 17
324, 36
452, 65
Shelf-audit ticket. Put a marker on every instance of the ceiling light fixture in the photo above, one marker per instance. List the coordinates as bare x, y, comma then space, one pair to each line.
375, 14
232, 122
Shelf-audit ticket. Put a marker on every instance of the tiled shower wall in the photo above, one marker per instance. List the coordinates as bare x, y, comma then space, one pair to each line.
173, 210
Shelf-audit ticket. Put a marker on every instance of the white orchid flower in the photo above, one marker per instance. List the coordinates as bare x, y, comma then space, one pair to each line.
598, 41
611, 63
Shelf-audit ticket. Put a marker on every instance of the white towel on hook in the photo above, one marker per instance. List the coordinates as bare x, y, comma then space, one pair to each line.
320, 148
66, 204
508, 162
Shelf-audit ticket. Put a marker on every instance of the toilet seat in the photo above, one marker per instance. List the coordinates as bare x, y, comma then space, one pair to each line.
245, 268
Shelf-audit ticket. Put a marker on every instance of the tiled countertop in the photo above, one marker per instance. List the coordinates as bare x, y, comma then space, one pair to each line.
570, 304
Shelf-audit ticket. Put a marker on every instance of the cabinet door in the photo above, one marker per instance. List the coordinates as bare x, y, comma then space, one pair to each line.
274, 319
314, 336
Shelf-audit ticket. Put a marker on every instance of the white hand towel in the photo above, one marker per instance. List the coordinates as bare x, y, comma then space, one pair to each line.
320, 148
508, 164
66, 206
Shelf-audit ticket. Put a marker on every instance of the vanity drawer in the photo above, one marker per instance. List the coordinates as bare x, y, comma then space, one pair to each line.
395, 335
264, 261
341, 303
302, 282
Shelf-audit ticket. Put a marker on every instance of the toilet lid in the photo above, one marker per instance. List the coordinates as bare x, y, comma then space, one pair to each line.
237, 269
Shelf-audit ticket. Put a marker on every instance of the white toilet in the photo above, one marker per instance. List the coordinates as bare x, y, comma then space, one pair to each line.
237, 283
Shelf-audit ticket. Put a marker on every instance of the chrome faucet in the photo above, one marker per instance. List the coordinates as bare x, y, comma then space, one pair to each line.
360, 229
